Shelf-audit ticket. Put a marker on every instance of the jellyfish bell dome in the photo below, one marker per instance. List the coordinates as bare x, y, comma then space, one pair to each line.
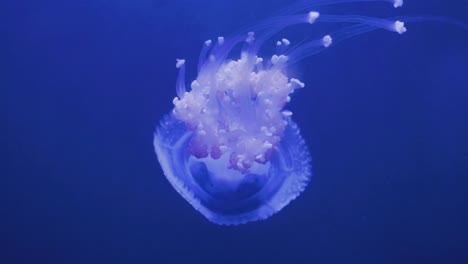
229, 147
225, 195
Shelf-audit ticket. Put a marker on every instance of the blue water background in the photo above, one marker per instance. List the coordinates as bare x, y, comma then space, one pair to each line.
385, 117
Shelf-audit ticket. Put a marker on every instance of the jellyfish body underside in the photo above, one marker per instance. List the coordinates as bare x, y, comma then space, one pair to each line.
225, 196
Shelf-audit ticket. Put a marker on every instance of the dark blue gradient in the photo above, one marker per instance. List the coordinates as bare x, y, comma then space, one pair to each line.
86, 82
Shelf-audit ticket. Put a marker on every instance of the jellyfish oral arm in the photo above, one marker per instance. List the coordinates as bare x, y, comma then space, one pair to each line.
180, 84
237, 110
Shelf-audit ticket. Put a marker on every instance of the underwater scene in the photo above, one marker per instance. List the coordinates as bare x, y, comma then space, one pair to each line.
235, 131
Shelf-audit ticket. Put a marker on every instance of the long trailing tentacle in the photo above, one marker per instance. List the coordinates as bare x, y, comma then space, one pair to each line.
268, 28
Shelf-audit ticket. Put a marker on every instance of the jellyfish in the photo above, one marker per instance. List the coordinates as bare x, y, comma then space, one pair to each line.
230, 146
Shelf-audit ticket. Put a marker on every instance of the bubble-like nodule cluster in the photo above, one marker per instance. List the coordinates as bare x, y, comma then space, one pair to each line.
236, 110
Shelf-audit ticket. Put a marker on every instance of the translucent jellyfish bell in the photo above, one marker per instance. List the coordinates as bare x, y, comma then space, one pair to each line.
229, 147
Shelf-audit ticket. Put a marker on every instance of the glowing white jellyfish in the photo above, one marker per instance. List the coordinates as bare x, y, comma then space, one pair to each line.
229, 147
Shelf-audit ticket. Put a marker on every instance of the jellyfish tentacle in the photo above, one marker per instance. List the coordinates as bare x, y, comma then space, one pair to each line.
180, 84
267, 28
308, 48
395, 26
316, 46
282, 45
432, 18
272, 26
364, 24
302, 6
202, 58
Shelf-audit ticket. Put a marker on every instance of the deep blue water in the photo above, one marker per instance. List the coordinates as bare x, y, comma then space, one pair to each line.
385, 117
